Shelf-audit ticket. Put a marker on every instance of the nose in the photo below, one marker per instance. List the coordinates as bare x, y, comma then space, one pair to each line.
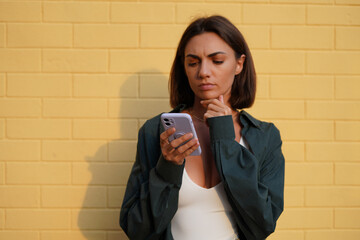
204, 70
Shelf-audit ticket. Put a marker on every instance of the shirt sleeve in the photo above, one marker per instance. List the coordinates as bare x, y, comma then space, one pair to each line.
254, 185
151, 195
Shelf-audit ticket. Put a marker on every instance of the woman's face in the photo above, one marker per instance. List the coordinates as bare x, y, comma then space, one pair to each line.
211, 65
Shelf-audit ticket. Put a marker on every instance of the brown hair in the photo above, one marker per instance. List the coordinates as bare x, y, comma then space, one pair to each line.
244, 86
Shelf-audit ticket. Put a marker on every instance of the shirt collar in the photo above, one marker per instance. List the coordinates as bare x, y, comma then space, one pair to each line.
246, 118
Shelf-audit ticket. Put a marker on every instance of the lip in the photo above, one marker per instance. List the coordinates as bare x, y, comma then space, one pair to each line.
206, 86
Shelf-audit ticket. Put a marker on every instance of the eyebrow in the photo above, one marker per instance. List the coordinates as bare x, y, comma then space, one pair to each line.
210, 55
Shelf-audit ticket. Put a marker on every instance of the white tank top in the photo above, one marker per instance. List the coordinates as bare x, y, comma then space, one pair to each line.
203, 213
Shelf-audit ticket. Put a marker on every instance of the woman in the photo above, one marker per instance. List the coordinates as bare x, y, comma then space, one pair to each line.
234, 190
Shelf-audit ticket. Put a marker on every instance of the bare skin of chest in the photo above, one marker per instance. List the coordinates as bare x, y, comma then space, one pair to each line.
202, 169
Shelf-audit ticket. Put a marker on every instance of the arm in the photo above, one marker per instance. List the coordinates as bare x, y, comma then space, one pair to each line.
151, 196
254, 182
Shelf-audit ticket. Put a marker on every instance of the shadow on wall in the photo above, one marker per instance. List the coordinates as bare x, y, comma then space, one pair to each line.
98, 219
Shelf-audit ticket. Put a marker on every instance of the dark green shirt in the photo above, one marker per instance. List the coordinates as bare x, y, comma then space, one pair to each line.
253, 179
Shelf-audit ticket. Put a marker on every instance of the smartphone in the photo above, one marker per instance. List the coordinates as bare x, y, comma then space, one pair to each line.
183, 124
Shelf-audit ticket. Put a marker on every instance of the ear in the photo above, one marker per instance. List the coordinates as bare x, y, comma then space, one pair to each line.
239, 64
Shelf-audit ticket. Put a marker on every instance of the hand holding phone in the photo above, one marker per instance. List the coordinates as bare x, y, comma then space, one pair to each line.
183, 124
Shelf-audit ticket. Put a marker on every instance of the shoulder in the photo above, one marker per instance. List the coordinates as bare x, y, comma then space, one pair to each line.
151, 127
264, 128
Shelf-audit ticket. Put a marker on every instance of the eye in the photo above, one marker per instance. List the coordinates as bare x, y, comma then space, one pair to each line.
218, 62
192, 64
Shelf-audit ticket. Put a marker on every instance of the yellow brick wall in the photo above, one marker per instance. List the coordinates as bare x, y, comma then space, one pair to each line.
78, 78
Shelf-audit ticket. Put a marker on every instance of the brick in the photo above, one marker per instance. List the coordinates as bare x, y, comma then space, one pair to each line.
347, 218
2, 35
101, 173
137, 108
186, 12
347, 87
79, 108
257, 37
38, 128
76, 12
107, 36
94, 85
333, 62
309, 173
93, 219
39, 35
20, 107
278, 109
305, 130
73, 197
294, 197
346, 38
74, 151
115, 196
332, 234
160, 36
308, 218
105, 129
16, 235
39, 85
16, 60
37, 173
2, 85
301, 87
73, 235
299, 37
2, 179
2, 219
344, 110
303, 1
293, 151
154, 85
14, 196
262, 87
37, 219
141, 61
122, 151
348, 173
333, 152
145, 12
283, 61
332, 196
347, 131
286, 234
68, 60
11, 11
2, 128
274, 14
344, 15
352, 2
19, 150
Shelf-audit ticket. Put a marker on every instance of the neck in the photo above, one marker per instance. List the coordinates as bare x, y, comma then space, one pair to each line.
198, 109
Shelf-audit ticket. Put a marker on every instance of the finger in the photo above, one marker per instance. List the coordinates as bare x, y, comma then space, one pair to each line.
177, 142
216, 102
208, 101
221, 98
187, 145
191, 150
211, 113
217, 108
166, 134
